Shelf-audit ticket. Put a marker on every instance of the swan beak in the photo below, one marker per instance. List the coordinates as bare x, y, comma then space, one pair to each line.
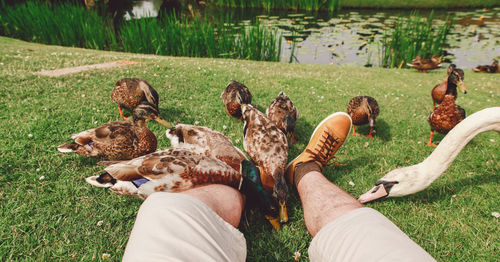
163, 122
373, 194
462, 87
274, 222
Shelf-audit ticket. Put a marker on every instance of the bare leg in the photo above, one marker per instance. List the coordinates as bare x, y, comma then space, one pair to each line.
226, 201
323, 201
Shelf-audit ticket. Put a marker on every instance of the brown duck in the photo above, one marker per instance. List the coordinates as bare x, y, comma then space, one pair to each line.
235, 95
130, 92
216, 144
181, 168
425, 64
363, 110
447, 115
439, 91
284, 114
268, 148
117, 140
493, 68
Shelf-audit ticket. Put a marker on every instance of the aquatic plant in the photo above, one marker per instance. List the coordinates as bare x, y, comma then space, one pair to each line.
411, 37
58, 24
308, 5
73, 25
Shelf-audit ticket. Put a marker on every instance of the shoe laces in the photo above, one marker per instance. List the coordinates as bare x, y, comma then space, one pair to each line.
323, 151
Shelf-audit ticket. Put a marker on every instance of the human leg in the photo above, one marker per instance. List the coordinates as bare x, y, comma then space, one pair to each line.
195, 225
342, 229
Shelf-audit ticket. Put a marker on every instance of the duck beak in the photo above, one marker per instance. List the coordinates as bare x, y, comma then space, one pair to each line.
462, 87
283, 212
163, 122
274, 222
373, 194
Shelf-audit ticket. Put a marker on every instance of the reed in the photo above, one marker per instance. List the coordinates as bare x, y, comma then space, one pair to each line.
411, 37
59, 24
72, 25
307, 5
179, 36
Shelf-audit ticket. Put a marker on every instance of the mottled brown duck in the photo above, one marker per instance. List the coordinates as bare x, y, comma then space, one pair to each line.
447, 115
284, 114
363, 110
118, 140
493, 68
130, 92
235, 95
439, 91
425, 64
268, 148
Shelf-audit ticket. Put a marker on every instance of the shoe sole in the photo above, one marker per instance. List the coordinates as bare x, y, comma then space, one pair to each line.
316, 129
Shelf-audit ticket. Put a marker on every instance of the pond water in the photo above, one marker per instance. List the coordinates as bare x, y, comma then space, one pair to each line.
351, 37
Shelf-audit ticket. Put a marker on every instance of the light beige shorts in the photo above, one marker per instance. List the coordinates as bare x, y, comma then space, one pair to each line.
177, 227
364, 235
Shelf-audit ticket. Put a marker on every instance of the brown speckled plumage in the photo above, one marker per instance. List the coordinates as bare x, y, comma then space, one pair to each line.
267, 147
130, 92
361, 108
283, 113
446, 116
118, 140
493, 68
234, 96
216, 144
170, 170
425, 64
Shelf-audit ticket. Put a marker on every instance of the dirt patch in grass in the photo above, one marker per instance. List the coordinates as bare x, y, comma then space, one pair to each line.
78, 69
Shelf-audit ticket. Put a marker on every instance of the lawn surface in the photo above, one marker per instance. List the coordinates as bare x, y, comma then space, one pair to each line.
57, 217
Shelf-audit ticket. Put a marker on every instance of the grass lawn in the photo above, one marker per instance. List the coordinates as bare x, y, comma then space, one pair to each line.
56, 218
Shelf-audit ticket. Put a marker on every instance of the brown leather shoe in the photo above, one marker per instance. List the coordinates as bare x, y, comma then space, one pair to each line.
326, 139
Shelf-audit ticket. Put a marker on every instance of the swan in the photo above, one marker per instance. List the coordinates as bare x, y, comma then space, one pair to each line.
412, 179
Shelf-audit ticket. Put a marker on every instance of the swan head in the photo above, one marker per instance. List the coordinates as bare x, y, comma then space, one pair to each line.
399, 182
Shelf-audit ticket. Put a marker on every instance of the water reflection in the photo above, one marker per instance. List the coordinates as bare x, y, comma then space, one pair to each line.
351, 37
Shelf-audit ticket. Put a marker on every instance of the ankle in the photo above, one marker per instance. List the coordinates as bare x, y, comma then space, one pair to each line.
303, 168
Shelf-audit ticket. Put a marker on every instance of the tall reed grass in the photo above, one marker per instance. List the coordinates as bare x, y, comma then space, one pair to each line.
414, 36
308, 5
179, 36
59, 24
70, 25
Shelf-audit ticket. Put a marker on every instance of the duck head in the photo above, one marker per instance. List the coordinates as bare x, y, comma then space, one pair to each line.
256, 195
456, 78
146, 111
280, 192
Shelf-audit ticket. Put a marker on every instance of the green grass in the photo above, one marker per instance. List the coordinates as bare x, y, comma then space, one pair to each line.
414, 36
56, 218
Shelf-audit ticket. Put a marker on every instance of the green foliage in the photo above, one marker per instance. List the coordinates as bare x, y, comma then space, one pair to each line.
179, 36
58, 24
308, 5
69, 25
58, 217
411, 37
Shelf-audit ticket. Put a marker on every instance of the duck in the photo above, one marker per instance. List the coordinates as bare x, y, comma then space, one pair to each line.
425, 64
181, 168
130, 92
284, 114
439, 91
117, 140
268, 148
447, 115
412, 179
493, 68
363, 110
217, 144
234, 96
